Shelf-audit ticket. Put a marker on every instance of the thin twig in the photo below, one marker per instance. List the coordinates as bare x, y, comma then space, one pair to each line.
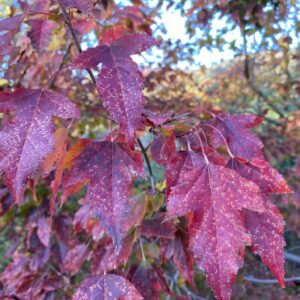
249, 74
75, 38
142, 250
292, 257
272, 281
152, 182
64, 59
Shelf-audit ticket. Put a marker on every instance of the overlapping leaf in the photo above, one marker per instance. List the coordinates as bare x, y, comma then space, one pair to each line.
109, 168
29, 136
236, 130
266, 230
107, 287
217, 196
40, 33
119, 81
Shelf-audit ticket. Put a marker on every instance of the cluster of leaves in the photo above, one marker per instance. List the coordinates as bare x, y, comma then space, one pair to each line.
125, 238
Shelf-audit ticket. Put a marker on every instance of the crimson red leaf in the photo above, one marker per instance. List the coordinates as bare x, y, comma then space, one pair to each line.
43, 231
266, 229
179, 165
236, 130
29, 137
217, 196
178, 250
263, 174
5, 44
75, 258
105, 258
107, 287
163, 149
119, 81
11, 23
110, 169
40, 33
40, 6
149, 281
155, 227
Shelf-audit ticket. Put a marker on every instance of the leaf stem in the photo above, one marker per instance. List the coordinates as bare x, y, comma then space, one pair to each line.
75, 38
144, 152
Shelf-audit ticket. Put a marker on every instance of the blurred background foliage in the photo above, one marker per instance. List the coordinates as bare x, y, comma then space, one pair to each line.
256, 69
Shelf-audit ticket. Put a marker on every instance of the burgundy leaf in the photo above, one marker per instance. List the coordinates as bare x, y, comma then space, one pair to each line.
263, 174
217, 196
236, 130
183, 162
40, 33
178, 250
163, 149
5, 44
109, 168
148, 281
11, 23
43, 231
156, 227
105, 259
119, 81
40, 6
75, 258
29, 137
107, 287
266, 230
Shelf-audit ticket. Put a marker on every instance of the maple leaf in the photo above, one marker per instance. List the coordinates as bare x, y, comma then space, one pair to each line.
217, 196
149, 280
178, 250
262, 173
266, 230
56, 157
40, 33
75, 258
11, 23
29, 136
180, 164
106, 287
236, 130
39, 6
119, 82
163, 148
109, 170
104, 257
5, 44
155, 227
44, 231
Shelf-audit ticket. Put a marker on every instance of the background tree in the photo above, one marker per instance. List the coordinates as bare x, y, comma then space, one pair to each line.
147, 181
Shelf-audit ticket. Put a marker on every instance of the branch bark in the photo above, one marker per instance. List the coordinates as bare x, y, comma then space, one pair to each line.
249, 74
144, 152
75, 38
272, 281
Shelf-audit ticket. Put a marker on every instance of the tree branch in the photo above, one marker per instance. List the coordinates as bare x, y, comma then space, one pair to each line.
272, 281
75, 38
249, 74
144, 152
292, 257
64, 59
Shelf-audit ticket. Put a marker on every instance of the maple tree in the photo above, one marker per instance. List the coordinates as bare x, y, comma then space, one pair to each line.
84, 209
